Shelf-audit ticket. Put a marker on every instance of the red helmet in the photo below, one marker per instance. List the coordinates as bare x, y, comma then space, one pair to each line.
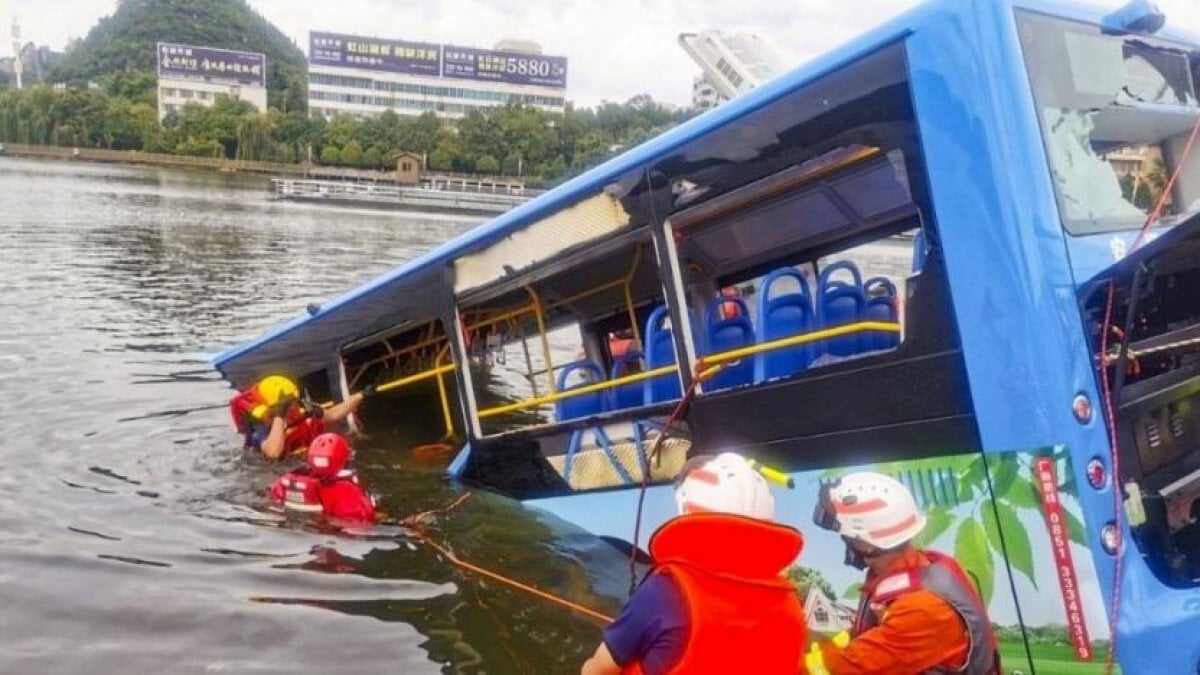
328, 454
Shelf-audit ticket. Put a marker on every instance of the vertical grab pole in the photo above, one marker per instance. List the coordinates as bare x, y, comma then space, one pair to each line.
445, 397
528, 360
633, 323
541, 322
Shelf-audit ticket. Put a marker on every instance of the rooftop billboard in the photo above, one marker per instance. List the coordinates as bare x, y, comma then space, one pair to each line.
434, 60
187, 62
393, 56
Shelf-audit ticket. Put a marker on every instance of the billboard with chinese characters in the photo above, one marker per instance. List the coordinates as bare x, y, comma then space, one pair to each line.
510, 67
187, 62
394, 56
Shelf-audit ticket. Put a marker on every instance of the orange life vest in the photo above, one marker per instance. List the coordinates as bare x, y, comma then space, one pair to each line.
744, 616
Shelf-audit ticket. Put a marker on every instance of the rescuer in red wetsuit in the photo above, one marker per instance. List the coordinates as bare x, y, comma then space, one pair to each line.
716, 600
274, 421
324, 484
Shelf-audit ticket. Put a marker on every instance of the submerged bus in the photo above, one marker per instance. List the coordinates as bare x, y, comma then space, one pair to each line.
925, 252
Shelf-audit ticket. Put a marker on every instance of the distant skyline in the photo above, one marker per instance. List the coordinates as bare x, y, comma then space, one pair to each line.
616, 48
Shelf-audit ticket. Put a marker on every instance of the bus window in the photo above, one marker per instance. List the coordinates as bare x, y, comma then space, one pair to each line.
413, 369
765, 294
1116, 114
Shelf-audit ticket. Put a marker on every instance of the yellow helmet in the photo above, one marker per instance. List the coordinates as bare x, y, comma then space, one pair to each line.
274, 387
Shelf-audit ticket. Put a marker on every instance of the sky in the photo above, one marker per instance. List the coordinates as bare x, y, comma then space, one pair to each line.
616, 48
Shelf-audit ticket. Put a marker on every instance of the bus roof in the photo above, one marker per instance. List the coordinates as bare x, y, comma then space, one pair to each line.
308, 342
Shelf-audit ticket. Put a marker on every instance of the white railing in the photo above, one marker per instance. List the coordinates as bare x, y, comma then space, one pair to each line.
458, 199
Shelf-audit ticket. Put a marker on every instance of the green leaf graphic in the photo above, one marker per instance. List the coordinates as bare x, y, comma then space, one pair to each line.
971, 551
939, 521
853, 591
970, 479
1022, 494
1075, 528
1004, 472
1016, 538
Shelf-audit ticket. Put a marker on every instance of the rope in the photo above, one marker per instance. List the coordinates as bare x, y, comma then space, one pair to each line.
417, 526
1118, 570
1115, 459
1113, 356
652, 455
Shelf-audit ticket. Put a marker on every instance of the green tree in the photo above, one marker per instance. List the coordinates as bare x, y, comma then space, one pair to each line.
440, 160
372, 157
805, 578
487, 164
125, 42
129, 126
137, 86
352, 154
330, 156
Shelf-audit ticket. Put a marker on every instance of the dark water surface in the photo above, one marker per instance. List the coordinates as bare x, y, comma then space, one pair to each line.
134, 534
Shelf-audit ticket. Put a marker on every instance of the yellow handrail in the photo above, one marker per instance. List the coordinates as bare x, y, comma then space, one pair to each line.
417, 377
803, 338
579, 391
633, 324
541, 324
704, 362
445, 397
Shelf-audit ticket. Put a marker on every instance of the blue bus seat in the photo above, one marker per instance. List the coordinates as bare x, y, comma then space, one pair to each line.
627, 395
840, 303
881, 306
783, 316
724, 334
583, 405
660, 351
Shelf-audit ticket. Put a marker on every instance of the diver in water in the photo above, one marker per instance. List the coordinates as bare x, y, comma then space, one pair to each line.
716, 600
275, 421
324, 484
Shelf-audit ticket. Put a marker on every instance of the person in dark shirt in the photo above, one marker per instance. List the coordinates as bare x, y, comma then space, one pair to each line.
716, 600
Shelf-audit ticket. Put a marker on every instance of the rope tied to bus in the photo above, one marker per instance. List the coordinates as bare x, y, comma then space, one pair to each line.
417, 524
1107, 393
702, 372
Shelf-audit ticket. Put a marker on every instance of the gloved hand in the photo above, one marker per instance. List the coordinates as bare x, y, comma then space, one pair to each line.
282, 406
368, 391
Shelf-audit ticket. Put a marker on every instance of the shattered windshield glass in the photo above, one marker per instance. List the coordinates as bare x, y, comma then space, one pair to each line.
1116, 113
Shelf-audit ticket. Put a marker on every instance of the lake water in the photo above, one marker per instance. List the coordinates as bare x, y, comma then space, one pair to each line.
135, 535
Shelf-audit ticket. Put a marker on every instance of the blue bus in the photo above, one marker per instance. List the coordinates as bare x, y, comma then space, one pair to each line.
962, 249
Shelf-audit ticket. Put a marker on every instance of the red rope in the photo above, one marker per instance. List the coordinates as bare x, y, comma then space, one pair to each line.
1106, 392
650, 457
1115, 459
1166, 193
415, 522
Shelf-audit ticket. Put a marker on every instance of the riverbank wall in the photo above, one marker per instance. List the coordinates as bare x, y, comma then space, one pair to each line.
199, 163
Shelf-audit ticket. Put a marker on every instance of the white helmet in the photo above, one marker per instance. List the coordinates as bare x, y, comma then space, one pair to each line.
725, 484
875, 509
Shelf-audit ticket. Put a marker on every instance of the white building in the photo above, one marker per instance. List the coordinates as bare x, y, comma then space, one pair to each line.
190, 74
704, 94
365, 76
823, 615
730, 63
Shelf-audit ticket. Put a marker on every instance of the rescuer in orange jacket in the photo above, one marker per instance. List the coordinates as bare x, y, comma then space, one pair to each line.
274, 420
919, 612
716, 600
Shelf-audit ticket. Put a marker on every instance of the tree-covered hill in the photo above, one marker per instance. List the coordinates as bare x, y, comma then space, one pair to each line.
125, 42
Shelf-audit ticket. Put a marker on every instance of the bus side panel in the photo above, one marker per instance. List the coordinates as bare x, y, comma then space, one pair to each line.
1034, 526
1008, 267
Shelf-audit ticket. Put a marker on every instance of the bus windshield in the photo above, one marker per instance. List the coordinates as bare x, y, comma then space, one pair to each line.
1115, 114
